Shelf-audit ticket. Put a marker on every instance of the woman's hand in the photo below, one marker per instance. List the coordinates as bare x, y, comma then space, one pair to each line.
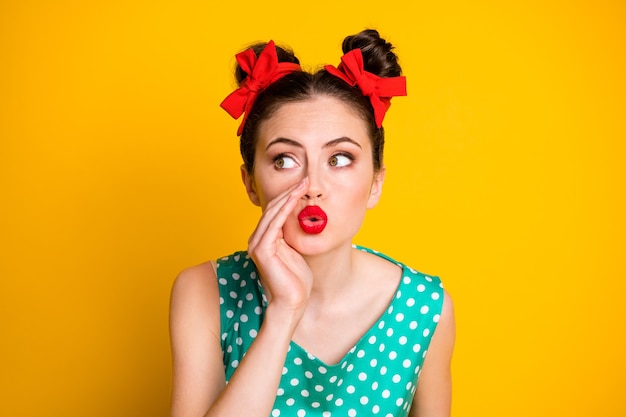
285, 274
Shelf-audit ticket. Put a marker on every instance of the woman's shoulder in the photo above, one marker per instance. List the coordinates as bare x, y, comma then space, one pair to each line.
406, 270
195, 281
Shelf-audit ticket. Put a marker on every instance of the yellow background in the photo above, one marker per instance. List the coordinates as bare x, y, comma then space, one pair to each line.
505, 177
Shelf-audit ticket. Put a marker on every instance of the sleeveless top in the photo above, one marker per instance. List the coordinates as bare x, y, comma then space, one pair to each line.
377, 377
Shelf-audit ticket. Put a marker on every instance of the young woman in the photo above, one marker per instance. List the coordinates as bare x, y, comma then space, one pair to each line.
304, 323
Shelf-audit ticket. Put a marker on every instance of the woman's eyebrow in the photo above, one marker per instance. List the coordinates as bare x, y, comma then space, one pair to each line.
284, 140
342, 139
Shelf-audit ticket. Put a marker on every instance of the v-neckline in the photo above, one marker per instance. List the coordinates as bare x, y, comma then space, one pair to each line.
368, 333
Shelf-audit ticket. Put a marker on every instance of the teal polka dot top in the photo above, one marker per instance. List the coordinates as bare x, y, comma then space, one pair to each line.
377, 377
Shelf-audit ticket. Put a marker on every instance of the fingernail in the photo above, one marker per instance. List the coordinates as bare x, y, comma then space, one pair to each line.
302, 182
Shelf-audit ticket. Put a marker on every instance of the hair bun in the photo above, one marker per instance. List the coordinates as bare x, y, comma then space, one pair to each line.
284, 55
378, 55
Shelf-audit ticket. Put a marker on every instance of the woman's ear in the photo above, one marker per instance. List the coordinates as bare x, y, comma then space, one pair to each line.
248, 182
377, 188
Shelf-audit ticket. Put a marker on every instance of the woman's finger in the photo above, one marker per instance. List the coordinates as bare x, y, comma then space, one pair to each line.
274, 208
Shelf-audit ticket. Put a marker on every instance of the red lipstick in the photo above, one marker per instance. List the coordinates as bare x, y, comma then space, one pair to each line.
312, 220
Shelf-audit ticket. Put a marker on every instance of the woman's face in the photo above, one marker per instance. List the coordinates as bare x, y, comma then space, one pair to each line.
323, 139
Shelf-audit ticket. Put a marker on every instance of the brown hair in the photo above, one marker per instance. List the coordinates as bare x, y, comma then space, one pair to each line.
378, 59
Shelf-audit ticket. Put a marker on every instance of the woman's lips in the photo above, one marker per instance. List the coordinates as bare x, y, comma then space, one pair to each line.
312, 220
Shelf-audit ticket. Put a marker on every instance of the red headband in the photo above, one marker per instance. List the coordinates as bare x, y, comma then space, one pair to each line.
378, 89
262, 72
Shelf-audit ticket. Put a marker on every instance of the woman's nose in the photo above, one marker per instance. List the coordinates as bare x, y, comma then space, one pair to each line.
316, 184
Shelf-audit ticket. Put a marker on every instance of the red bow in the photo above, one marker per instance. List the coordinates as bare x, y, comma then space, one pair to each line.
378, 89
262, 72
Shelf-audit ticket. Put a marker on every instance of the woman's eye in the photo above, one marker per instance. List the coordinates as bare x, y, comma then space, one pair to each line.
284, 162
340, 160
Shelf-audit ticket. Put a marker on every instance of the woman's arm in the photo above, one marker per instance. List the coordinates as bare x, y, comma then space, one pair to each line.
199, 387
434, 388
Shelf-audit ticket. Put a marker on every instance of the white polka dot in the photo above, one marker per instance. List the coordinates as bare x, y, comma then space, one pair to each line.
322, 370
407, 280
235, 276
235, 363
435, 296
230, 314
386, 393
280, 392
315, 404
252, 333
243, 318
390, 309
285, 370
373, 363
350, 368
396, 378
393, 355
232, 294
239, 341
424, 309
294, 382
319, 388
326, 414
429, 279
399, 401
290, 402
240, 303
333, 379
338, 402
245, 264
350, 389
436, 318
223, 281
360, 353
374, 386
381, 348
364, 400
383, 370
402, 340
258, 310
329, 397
275, 413
381, 324
376, 409
406, 363
304, 393
389, 332
297, 361
421, 288
426, 332
253, 275
249, 297
340, 382
229, 349
308, 374
399, 294
236, 327
308, 355
409, 385
417, 347
243, 284
301, 413
372, 340
410, 302
352, 412
399, 317
413, 325
362, 376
